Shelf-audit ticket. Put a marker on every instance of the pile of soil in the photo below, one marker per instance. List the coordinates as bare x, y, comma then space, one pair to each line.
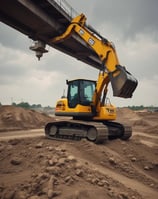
139, 120
127, 113
17, 118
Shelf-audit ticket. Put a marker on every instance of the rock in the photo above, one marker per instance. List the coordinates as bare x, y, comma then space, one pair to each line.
50, 162
50, 193
50, 148
146, 168
55, 170
79, 172
63, 149
34, 175
124, 149
67, 178
123, 196
50, 187
40, 156
78, 165
60, 149
100, 183
39, 145
151, 185
61, 162
94, 180
16, 161
56, 193
71, 158
112, 160
133, 159
105, 182
42, 176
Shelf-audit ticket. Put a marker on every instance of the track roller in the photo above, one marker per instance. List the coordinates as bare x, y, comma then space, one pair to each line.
92, 134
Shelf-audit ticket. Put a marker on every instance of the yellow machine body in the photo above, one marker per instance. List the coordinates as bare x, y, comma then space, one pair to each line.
107, 112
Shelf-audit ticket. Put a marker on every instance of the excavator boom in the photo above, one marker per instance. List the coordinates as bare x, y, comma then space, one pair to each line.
123, 82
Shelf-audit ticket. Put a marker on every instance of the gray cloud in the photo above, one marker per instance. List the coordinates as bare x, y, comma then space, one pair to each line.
129, 17
125, 16
11, 37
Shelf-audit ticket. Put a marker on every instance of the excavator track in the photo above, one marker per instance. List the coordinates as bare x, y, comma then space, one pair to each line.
118, 130
97, 132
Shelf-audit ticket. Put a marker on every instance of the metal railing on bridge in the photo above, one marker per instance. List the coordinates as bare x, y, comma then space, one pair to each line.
71, 12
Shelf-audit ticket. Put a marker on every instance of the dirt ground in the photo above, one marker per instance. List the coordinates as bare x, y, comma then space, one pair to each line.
38, 168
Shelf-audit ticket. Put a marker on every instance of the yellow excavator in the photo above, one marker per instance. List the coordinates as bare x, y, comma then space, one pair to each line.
92, 115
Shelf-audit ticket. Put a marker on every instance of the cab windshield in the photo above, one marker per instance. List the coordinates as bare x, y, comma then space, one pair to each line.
80, 92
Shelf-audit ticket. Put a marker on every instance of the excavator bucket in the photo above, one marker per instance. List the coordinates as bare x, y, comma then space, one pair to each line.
123, 83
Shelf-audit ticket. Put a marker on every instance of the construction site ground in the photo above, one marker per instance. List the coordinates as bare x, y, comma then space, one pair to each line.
33, 167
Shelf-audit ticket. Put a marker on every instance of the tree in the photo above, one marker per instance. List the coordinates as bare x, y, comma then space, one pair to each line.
24, 105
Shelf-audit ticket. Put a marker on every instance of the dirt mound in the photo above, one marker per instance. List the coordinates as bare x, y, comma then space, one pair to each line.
17, 118
48, 170
138, 120
126, 113
153, 130
141, 122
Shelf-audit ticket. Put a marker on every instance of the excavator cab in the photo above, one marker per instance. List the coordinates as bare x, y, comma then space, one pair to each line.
78, 103
80, 91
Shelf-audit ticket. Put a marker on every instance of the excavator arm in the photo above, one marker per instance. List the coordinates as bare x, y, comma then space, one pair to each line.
123, 83
103, 48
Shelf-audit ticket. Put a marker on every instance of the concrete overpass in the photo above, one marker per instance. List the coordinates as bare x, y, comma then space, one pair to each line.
44, 19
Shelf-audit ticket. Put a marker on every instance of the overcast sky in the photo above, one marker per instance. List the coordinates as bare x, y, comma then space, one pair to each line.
131, 25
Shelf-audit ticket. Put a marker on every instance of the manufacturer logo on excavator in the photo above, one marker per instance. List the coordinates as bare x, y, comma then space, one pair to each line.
91, 41
81, 32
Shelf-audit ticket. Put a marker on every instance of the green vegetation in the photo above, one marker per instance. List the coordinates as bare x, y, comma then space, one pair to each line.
37, 107
29, 106
141, 107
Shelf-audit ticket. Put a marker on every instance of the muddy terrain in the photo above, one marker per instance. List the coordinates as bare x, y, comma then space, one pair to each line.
33, 167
